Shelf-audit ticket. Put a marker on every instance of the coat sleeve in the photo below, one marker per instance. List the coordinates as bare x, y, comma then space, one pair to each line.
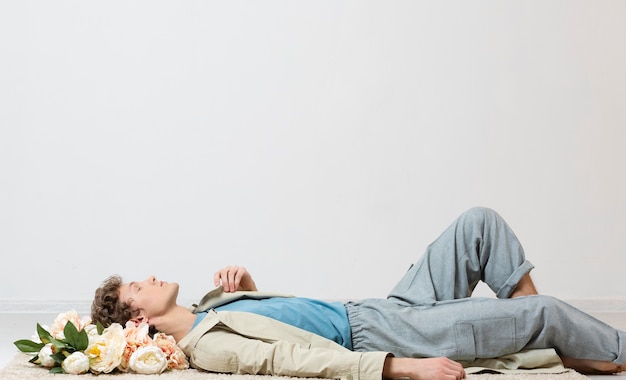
228, 352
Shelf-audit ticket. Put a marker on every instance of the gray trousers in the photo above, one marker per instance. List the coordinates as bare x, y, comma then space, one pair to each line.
430, 313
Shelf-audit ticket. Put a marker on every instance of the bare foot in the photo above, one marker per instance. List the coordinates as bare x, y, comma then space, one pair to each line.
592, 367
525, 287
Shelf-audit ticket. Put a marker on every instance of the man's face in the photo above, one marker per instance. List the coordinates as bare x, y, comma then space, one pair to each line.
152, 298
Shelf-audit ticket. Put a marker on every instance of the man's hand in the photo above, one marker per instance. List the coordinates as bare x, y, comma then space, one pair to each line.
233, 278
429, 368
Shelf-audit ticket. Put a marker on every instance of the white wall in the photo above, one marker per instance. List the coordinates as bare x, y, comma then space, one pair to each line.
322, 144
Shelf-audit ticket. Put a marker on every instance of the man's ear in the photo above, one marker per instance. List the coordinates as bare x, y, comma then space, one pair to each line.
138, 319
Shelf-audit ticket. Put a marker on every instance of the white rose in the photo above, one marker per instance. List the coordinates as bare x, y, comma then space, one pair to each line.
148, 360
45, 356
84, 322
105, 351
76, 363
92, 331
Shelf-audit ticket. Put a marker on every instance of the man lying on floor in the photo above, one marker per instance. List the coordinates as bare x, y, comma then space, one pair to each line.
427, 328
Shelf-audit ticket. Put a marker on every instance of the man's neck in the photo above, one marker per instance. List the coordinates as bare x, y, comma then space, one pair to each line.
177, 323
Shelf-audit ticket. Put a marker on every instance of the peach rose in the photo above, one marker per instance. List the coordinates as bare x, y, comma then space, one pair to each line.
175, 355
56, 330
136, 336
62, 318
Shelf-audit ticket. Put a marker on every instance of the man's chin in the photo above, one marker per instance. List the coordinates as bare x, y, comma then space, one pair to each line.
174, 286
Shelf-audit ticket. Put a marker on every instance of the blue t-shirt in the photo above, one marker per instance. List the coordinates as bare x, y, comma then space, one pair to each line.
328, 319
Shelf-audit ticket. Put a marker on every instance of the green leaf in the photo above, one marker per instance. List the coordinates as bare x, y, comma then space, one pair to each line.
26, 345
77, 340
44, 335
58, 357
99, 328
83, 341
57, 370
70, 331
34, 359
59, 345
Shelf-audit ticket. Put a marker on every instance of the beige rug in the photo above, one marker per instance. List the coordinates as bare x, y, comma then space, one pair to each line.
19, 369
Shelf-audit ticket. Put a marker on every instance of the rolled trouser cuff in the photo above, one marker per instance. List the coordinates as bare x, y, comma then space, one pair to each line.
510, 284
621, 356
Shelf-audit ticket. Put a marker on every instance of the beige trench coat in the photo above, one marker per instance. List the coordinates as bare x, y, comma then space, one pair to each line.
246, 343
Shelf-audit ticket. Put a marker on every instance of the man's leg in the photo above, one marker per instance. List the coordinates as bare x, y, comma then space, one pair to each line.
525, 287
479, 245
474, 328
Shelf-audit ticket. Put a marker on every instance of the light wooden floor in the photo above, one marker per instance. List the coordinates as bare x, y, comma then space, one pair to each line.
14, 326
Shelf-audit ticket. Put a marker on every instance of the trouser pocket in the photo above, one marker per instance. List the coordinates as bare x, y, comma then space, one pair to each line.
485, 338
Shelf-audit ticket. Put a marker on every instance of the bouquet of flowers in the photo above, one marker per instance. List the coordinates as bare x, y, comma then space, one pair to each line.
75, 345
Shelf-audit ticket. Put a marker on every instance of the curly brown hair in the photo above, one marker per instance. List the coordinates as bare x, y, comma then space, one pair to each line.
106, 307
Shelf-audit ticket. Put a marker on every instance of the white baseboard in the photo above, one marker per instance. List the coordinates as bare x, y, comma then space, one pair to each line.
599, 305
49, 307
39, 307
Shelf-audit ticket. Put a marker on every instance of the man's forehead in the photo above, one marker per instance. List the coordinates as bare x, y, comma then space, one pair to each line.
126, 292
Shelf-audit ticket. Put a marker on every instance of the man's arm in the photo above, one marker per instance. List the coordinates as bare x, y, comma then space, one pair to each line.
233, 278
221, 350
428, 368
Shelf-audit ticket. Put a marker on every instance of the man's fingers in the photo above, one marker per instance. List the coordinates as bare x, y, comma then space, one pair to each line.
229, 277
233, 281
216, 278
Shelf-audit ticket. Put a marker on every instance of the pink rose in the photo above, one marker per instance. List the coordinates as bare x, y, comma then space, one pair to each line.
136, 336
176, 358
56, 330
